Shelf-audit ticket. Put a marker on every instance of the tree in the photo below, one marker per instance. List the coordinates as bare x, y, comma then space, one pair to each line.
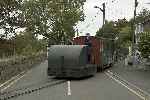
64, 28
121, 29
52, 19
108, 30
143, 15
36, 16
10, 17
144, 44
118, 28
27, 43
125, 36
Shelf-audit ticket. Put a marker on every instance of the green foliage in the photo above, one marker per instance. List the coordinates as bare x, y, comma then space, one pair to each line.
123, 29
27, 43
53, 19
143, 15
120, 28
36, 16
144, 44
125, 36
10, 16
108, 30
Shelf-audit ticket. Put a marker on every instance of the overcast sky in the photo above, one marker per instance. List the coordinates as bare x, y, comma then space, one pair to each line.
115, 9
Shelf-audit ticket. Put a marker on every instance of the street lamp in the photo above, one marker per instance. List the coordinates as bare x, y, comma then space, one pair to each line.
102, 10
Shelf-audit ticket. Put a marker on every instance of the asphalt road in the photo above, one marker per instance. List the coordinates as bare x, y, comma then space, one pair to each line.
99, 87
139, 77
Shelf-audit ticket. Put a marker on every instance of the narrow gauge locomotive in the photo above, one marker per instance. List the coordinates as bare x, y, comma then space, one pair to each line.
73, 60
69, 61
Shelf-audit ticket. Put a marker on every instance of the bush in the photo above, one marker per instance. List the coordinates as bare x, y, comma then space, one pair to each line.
144, 44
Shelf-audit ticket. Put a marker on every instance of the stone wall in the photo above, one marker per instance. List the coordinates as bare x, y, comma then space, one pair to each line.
12, 67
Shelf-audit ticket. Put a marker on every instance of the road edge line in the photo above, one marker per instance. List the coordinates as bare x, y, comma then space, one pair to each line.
144, 92
8, 81
13, 80
121, 83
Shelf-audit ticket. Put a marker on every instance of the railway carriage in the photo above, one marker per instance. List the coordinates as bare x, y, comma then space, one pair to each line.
102, 53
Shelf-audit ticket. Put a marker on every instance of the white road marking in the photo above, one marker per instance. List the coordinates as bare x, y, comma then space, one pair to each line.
1, 85
131, 90
130, 84
12, 83
110, 72
69, 88
17, 78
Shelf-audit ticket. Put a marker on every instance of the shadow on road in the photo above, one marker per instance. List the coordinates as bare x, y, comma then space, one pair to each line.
73, 79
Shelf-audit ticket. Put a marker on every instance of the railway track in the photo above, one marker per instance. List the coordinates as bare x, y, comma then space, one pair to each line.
25, 90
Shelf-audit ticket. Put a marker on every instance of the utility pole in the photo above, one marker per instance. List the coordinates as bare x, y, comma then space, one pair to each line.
136, 4
104, 14
134, 32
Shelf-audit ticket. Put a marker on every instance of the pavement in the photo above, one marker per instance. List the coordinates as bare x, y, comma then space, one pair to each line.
102, 86
138, 75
